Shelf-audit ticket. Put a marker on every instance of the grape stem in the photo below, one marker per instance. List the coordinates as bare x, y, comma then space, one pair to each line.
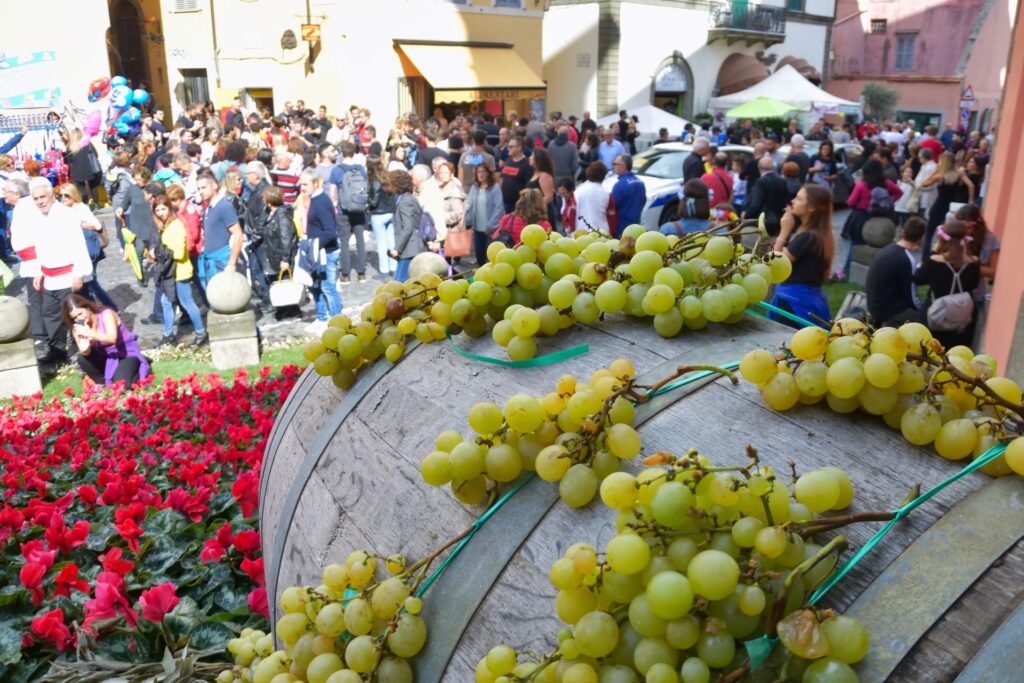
680, 371
946, 366
837, 545
813, 527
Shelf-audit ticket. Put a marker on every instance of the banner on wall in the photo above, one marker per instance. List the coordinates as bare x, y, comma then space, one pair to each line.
21, 78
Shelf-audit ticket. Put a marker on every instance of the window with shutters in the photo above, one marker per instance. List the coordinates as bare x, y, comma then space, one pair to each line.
904, 53
878, 25
185, 6
197, 85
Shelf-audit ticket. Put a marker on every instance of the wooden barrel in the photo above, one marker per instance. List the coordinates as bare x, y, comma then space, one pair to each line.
342, 473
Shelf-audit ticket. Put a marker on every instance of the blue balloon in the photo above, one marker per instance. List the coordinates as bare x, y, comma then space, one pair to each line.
118, 80
135, 128
120, 96
131, 115
121, 127
140, 96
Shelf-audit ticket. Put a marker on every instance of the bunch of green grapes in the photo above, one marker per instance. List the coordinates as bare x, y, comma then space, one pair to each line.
550, 282
576, 435
350, 629
952, 399
698, 566
397, 312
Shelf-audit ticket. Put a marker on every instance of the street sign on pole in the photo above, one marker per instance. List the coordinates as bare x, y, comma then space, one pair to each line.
967, 94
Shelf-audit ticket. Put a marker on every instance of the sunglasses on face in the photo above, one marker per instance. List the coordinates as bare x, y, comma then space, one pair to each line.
66, 196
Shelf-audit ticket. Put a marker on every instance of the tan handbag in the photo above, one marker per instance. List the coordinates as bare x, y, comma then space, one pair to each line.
458, 243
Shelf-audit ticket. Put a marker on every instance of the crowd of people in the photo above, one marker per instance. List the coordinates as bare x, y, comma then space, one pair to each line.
269, 195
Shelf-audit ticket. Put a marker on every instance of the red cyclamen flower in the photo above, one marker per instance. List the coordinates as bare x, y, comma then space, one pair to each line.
158, 601
67, 581
50, 627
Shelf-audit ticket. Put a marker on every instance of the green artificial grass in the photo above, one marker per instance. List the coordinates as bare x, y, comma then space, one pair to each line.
179, 362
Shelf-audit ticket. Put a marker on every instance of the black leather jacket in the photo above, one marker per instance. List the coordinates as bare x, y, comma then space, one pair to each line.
255, 215
280, 237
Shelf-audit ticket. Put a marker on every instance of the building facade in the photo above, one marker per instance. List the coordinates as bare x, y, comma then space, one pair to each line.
603, 55
933, 52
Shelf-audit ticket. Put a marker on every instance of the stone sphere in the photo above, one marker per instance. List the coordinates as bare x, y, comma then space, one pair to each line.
13, 319
428, 262
879, 231
228, 292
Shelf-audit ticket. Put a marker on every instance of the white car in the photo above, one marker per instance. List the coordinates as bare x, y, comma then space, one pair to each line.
661, 169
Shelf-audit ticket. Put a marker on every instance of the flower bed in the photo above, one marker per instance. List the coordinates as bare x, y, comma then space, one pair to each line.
126, 520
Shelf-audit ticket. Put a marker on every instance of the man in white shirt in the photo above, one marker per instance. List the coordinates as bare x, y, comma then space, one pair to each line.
64, 264
23, 241
429, 196
927, 194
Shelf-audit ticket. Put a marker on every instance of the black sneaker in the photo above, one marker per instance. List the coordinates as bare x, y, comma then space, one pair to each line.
200, 340
151, 320
167, 340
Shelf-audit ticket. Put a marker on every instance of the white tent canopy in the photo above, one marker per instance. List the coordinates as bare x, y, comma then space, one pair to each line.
651, 119
787, 84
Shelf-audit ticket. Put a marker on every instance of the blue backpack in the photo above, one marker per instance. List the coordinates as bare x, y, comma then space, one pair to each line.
427, 230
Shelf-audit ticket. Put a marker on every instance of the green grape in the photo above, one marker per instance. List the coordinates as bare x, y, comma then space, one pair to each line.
781, 268
322, 667
503, 274
956, 439
596, 634
848, 639
811, 378
525, 322
618, 490
652, 240
550, 321
558, 266
610, 297
503, 333
669, 595
358, 617
915, 335
881, 371
449, 291
781, 392
485, 418
842, 405
502, 463
809, 343
479, 293
578, 486
669, 323
441, 313
585, 309
691, 308
659, 298
744, 531
644, 265
1014, 455
888, 341
818, 490
737, 297
563, 574
756, 286
330, 621
671, 278
845, 377
842, 479
573, 603
604, 464
845, 347
467, 460
523, 413
562, 294
920, 424
623, 441
522, 348
392, 670
470, 491
330, 338
651, 651
752, 600
683, 633
719, 250
597, 252
877, 401
388, 597
671, 505
622, 411
529, 276
312, 350
661, 673
713, 574
291, 626
695, 670
579, 672
619, 587
533, 236
715, 305
408, 637
758, 366
716, 648
770, 542
362, 654
627, 553
500, 660
552, 463
635, 299
268, 668
326, 364
464, 312
829, 670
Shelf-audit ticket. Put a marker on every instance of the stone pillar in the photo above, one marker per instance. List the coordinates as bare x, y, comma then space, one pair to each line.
19, 373
234, 342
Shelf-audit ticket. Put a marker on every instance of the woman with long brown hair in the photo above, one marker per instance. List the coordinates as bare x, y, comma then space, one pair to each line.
530, 209
950, 269
108, 351
805, 237
174, 272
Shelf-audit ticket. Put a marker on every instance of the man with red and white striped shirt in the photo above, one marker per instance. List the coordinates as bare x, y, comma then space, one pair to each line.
284, 176
23, 241
64, 263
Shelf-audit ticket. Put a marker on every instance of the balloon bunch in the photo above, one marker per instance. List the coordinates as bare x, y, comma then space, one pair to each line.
115, 108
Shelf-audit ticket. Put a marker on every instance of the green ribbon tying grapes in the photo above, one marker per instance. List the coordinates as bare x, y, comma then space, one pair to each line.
760, 649
783, 313
692, 378
546, 359
481, 520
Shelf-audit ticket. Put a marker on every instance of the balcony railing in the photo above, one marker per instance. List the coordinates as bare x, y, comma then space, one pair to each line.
740, 20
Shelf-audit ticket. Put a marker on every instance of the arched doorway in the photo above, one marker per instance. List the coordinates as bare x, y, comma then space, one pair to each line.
127, 48
672, 87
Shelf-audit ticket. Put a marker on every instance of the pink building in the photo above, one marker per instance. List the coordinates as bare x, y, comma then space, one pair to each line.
931, 51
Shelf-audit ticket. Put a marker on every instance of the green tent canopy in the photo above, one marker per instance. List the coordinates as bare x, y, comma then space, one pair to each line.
761, 107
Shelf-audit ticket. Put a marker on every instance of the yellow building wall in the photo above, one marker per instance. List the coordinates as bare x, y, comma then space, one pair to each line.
75, 30
357, 64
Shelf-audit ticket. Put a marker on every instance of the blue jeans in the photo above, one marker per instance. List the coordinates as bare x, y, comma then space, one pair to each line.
325, 288
183, 289
384, 235
402, 271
